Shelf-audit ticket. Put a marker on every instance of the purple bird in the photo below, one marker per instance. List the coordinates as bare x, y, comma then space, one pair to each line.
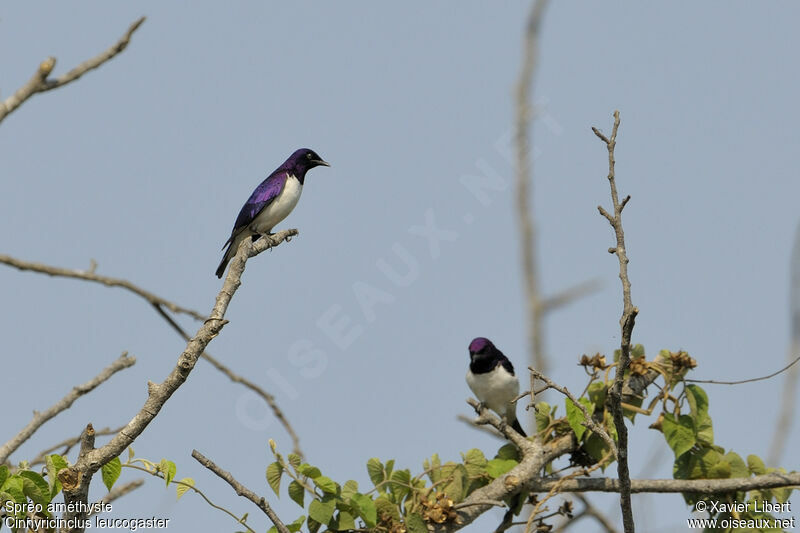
271, 202
491, 377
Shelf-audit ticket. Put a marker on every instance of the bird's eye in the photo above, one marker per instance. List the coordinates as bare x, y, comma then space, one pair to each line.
308, 155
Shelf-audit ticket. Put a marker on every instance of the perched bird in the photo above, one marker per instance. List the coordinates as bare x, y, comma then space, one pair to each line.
491, 377
271, 202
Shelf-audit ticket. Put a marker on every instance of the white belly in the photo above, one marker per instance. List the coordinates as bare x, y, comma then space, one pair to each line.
496, 389
279, 208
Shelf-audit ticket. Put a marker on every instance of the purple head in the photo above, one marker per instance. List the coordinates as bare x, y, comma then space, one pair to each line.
303, 160
479, 344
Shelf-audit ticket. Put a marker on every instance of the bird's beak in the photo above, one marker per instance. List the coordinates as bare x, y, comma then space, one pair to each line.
321, 162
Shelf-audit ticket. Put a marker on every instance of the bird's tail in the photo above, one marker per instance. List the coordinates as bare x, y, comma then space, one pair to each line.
225, 259
518, 428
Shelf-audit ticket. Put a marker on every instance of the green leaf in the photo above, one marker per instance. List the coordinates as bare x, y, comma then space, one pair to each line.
349, 489
596, 447
322, 511
295, 526
313, 525
375, 471
183, 486
326, 484
400, 483
597, 392
54, 463
295, 461
167, 468
738, 468
679, 433
497, 467
3, 474
111, 471
366, 509
542, 415
433, 467
756, 465
508, 451
344, 521
575, 416
415, 524
274, 473
297, 493
475, 463
456, 486
389, 467
35, 487
698, 407
385, 509
14, 488
309, 471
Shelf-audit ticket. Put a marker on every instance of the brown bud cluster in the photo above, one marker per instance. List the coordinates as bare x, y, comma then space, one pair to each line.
566, 509
439, 511
681, 361
639, 366
597, 361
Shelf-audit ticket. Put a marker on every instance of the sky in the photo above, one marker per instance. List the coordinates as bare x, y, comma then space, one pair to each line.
143, 165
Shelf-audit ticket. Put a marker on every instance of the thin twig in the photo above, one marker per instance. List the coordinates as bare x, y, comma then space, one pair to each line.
122, 362
236, 378
67, 444
627, 322
751, 380
89, 275
556, 488
197, 491
39, 82
241, 490
587, 417
588, 510
530, 52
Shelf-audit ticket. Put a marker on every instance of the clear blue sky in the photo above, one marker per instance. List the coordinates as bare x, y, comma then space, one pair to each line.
143, 165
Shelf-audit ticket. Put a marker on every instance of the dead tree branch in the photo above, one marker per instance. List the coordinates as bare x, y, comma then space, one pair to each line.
75, 479
627, 322
241, 490
40, 82
122, 362
530, 53
159, 304
89, 275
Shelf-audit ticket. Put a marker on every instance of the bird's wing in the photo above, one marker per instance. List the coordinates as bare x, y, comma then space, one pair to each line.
265, 193
507, 365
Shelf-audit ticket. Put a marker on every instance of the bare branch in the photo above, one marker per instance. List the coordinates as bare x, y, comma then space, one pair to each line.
159, 304
485, 417
241, 490
702, 486
89, 275
523, 184
587, 418
122, 362
790, 383
588, 510
627, 322
741, 381
76, 478
570, 294
67, 444
40, 83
